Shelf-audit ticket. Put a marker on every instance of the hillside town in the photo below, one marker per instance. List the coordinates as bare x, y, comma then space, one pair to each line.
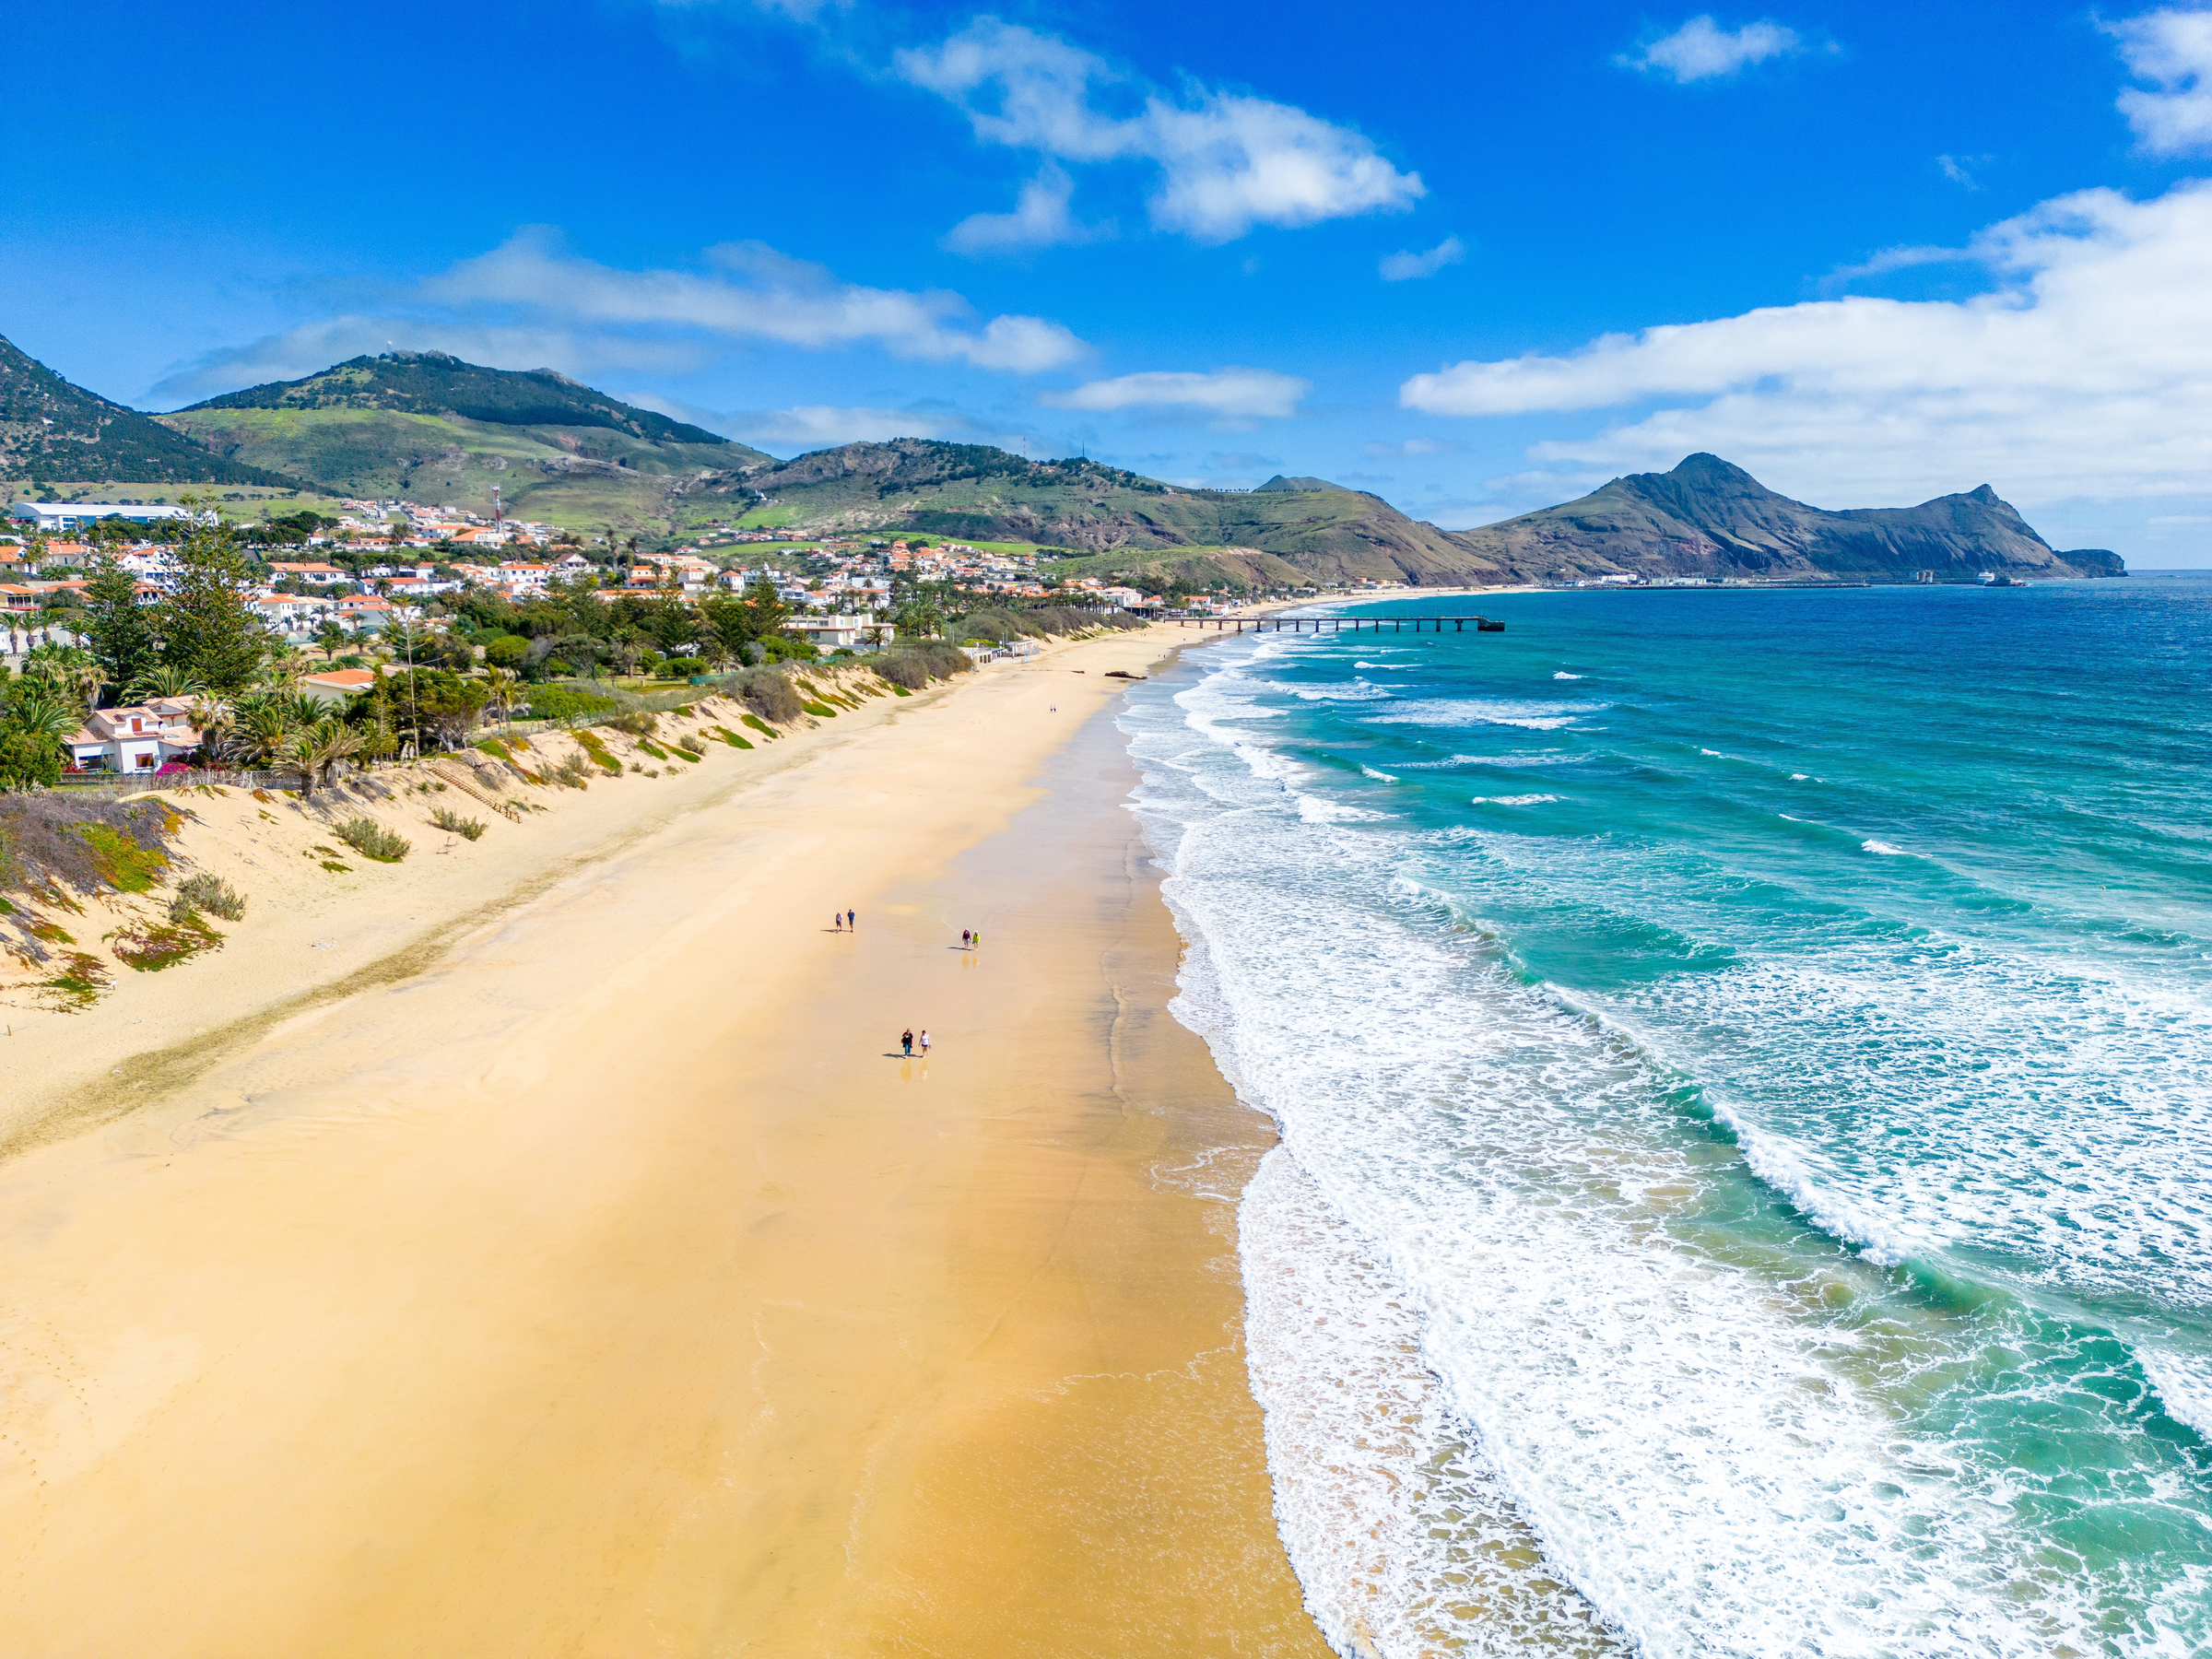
330, 611
378, 563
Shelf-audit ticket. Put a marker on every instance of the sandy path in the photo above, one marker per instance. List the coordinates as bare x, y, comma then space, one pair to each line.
606, 1288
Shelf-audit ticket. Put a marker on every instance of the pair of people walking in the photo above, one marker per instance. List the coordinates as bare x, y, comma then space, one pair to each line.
840, 922
971, 939
907, 1040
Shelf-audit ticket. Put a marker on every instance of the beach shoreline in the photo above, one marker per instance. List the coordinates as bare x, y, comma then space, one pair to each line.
507, 1307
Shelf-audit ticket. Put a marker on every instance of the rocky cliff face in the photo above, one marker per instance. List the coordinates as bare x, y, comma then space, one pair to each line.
1709, 518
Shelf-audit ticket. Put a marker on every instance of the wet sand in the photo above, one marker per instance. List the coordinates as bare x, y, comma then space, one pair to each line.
611, 1287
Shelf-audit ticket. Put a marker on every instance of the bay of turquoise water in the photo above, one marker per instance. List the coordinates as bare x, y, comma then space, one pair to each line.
1745, 1068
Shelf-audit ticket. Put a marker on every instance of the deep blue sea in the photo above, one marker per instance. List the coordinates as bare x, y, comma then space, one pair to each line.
1744, 1063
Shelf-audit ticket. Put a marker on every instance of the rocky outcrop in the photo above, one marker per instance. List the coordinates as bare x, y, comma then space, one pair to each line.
1709, 518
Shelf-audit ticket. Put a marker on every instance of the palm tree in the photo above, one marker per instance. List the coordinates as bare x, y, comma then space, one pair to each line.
263, 728
315, 749
70, 669
502, 682
43, 712
167, 679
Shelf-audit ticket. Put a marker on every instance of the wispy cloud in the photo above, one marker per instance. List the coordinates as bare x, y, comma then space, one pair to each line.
1701, 49
1413, 447
1403, 266
2087, 372
532, 302
1955, 169
2173, 50
1227, 161
1040, 220
1226, 394
1896, 259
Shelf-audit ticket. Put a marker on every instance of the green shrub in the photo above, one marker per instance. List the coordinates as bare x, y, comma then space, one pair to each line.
372, 840
760, 725
653, 749
914, 666
494, 748
767, 692
684, 667
445, 818
731, 737
691, 746
209, 893
566, 702
820, 710
571, 773
637, 723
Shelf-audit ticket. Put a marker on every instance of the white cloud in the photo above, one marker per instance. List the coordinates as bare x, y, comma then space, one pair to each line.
1413, 447
2088, 371
1896, 259
1404, 267
1227, 161
1954, 168
530, 303
1225, 393
820, 426
312, 346
1702, 49
1040, 219
2173, 49
751, 292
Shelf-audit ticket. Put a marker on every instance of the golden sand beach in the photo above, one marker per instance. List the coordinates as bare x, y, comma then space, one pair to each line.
606, 1283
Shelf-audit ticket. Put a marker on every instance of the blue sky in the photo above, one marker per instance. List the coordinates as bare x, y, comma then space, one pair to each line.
1476, 258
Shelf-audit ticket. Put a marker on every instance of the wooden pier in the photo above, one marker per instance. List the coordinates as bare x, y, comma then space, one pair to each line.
1343, 624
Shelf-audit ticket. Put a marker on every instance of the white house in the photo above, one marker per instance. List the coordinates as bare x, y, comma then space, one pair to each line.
840, 633
143, 737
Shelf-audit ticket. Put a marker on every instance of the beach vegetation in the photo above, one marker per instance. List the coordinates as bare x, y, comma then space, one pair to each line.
767, 692
567, 702
731, 737
372, 840
637, 722
336, 868
759, 725
78, 984
209, 893
148, 949
467, 829
820, 710
595, 746
572, 774
910, 667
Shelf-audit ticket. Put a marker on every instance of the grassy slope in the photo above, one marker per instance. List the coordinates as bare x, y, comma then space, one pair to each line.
1329, 534
583, 477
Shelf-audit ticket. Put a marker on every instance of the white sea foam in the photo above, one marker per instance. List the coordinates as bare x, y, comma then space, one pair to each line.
1717, 1464
1487, 711
1383, 776
1519, 800
1886, 850
1563, 674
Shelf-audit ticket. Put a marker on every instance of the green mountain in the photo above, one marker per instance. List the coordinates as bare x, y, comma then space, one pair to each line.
978, 493
430, 428
53, 432
1709, 518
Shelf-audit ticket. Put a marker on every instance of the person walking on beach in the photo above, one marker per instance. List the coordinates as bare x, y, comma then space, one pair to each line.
836, 923
924, 1042
964, 938
906, 1041
976, 939
853, 921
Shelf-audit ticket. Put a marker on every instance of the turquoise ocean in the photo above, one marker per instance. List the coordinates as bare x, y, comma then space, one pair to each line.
1744, 1063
